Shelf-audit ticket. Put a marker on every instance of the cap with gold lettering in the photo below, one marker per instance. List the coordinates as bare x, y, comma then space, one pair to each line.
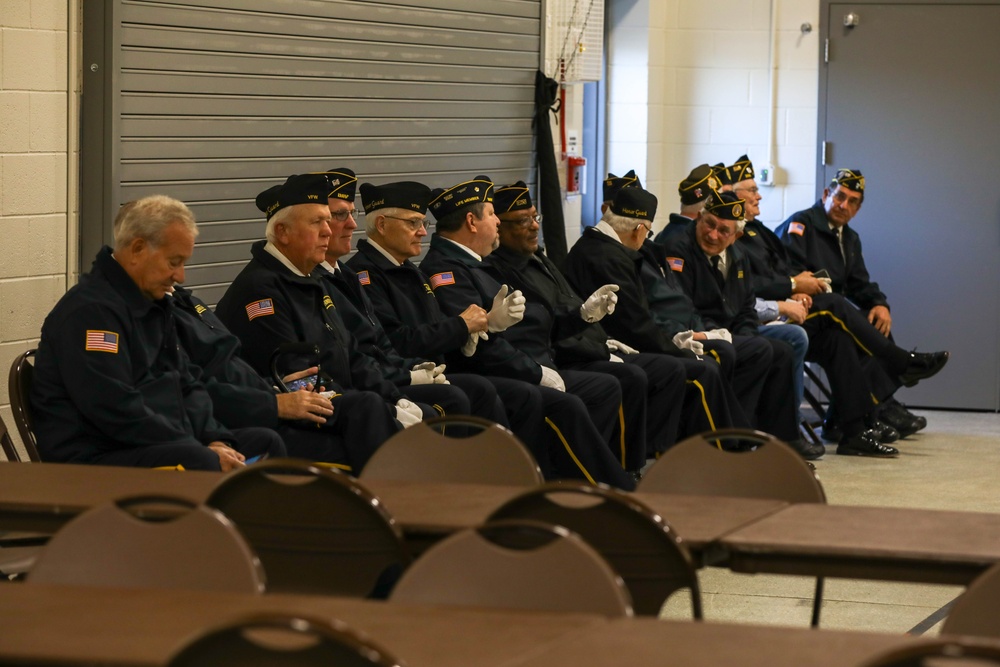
634, 202
297, 189
478, 190
343, 183
698, 185
511, 198
742, 170
612, 184
407, 195
849, 178
725, 205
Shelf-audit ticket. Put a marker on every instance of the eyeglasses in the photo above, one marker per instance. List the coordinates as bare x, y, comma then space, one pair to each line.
754, 190
842, 198
712, 226
526, 220
415, 225
648, 228
342, 215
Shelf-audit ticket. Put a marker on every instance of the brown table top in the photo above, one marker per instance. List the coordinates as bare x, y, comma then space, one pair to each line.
889, 543
127, 626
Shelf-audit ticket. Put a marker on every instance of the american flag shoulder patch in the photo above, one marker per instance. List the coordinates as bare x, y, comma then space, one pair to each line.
364, 278
796, 228
260, 308
439, 279
101, 341
675, 264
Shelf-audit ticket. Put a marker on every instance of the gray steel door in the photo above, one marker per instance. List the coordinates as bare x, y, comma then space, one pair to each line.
912, 94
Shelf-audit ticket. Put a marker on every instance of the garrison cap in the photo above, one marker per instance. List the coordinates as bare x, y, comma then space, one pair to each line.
634, 202
267, 200
511, 198
612, 184
297, 189
726, 206
849, 178
722, 174
407, 195
343, 183
698, 185
446, 201
742, 170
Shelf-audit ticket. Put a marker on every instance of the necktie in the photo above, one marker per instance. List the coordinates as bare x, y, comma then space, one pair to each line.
840, 242
719, 278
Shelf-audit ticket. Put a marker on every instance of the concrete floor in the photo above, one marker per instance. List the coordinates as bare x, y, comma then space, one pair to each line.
941, 467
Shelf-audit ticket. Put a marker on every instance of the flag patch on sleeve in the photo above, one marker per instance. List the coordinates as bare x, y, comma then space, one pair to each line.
439, 279
260, 308
796, 228
675, 264
364, 278
101, 341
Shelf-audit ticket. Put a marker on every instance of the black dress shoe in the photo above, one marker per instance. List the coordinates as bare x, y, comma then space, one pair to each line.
807, 450
901, 419
885, 433
922, 366
919, 420
866, 444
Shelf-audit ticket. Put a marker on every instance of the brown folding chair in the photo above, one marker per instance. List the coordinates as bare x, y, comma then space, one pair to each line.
150, 542
940, 653
494, 455
283, 640
19, 387
975, 610
641, 547
700, 465
515, 565
314, 529
7, 444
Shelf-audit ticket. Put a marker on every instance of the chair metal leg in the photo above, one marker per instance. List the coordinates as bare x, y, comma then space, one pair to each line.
817, 602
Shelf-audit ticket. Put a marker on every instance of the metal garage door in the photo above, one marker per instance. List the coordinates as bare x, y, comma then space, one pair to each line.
211, 101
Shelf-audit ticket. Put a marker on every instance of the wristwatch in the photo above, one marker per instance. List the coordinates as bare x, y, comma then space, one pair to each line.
793, 284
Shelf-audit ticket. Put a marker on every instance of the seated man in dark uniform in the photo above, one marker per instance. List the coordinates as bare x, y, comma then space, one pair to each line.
112, 385
820, 238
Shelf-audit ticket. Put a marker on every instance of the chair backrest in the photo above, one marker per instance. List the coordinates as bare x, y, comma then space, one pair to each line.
150, 542
283, 641
19, 387
515, 565
315, 530
422, 452
940, 653
641, 547
975, 610
699, 466
7, 444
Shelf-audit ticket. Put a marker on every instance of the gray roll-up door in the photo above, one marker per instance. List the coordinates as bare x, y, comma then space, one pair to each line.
212, 101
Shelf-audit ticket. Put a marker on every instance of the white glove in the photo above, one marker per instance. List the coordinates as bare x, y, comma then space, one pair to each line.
827, 287
685, 341
719, 334
616, 359
428, 373
469, 348
552, 379
408, 413
600, 303
618, 346
507, 310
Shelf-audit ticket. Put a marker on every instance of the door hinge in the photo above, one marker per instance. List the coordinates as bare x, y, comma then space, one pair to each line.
824, 153
826, 50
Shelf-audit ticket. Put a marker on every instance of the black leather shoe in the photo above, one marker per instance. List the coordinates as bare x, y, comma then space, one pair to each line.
901, 419
807, 450
920, 421
885, 433
922, 366
866, 444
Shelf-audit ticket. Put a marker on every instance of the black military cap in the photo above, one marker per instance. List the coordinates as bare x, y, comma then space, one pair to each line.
742, 170
511, 198
849, 178
634, 202
343, 183
725, 205
722, 174
612, 184
698, 185
408, 195
297, 189
267, 201
478, 190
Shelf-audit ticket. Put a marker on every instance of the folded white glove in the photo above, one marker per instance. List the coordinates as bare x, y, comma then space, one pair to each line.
616, 359
600, 303
408, 413
618, 346
719, 334
827, 287
428, 373
469, 348
552, 379
507, 310
685, 341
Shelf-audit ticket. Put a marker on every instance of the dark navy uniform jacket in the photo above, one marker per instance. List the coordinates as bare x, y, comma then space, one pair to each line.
812, 246
110, 373
268, 305
769, 261
552, 331
597, 259
677, 225
730, 307
459, 279
406, 306
240, 396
